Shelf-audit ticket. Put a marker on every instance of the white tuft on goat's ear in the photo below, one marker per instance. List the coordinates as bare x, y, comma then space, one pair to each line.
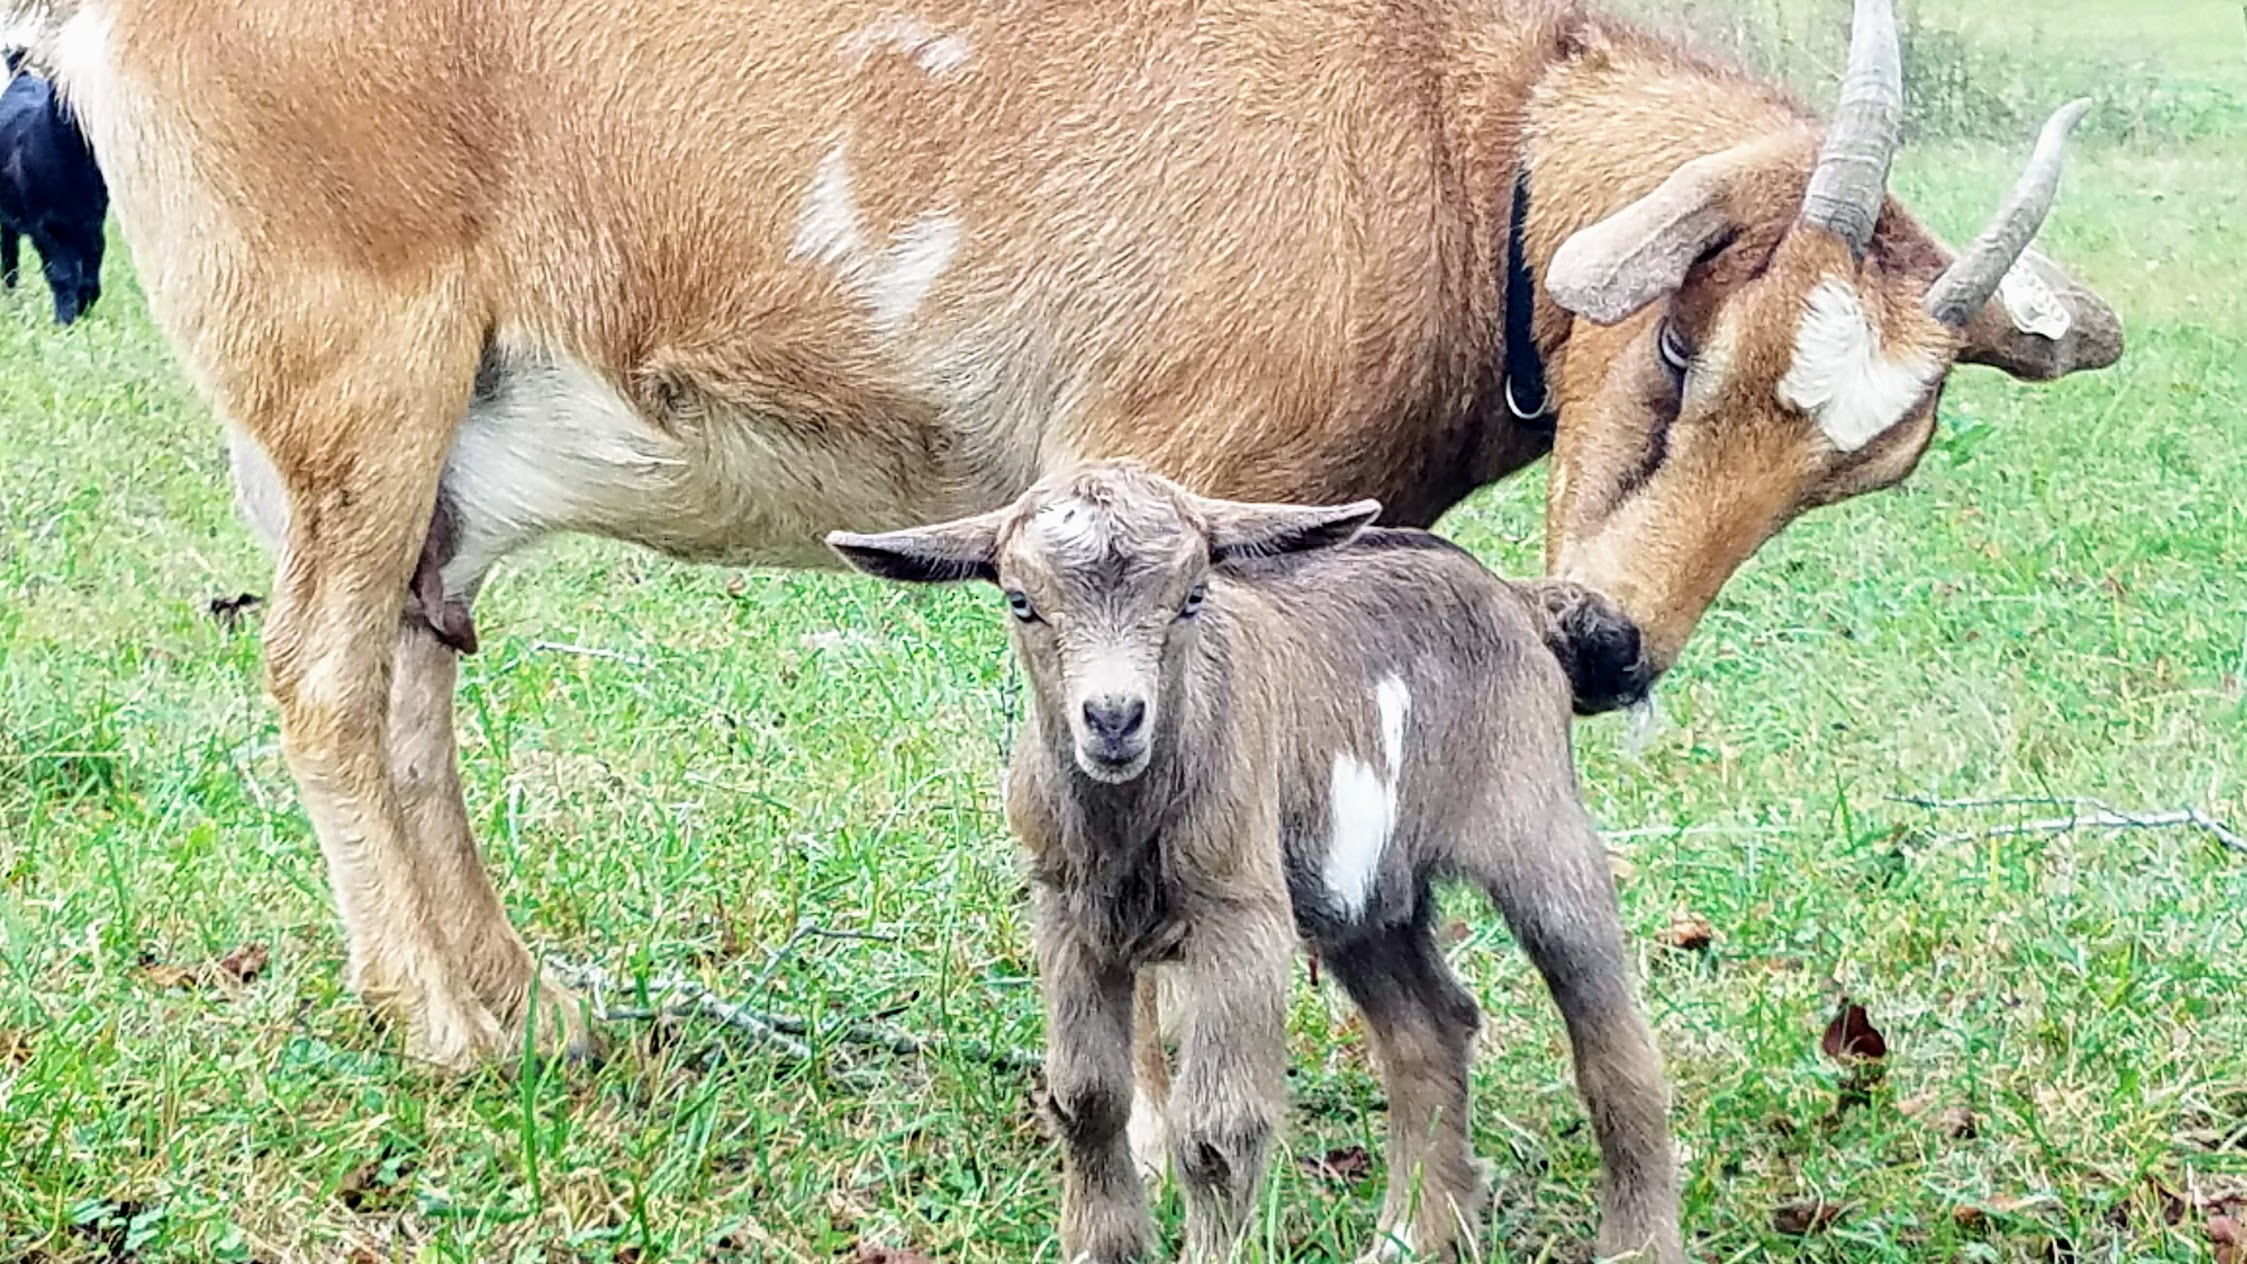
1238, 530
947, 553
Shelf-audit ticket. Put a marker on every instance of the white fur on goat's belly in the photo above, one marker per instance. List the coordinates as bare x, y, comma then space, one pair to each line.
1362, 807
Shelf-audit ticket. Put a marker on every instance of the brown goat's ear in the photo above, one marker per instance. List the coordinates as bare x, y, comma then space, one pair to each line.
2042, 324
1613, 269
1238, 530
946, 553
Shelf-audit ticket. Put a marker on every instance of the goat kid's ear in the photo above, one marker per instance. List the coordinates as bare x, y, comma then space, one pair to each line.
1238, 530
947, 553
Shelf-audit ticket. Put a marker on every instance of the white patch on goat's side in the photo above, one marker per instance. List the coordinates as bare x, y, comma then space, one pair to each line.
934, 51
902, 277
828, 230
891, 282
1393, 701
2033, 307
1359, 803
1150, 1139
1363, 805
1840, 375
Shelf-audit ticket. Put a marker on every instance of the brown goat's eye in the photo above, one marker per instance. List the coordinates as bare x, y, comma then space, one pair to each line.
1193, 604
1676, 356
1018, 602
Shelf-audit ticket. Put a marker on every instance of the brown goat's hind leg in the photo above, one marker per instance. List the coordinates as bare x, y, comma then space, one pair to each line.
356, 427
1557, 894
1423, 1028
425, 769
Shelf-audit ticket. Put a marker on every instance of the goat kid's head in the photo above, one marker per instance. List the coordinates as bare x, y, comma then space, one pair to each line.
1767, 331
1105, 571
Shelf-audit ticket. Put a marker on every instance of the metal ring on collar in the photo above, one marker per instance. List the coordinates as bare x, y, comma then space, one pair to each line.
1544, 404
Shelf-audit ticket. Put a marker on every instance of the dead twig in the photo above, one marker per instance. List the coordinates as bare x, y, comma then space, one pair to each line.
687, 999
587, 651
2082, 814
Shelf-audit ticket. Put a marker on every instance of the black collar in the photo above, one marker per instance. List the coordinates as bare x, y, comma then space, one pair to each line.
1529, 399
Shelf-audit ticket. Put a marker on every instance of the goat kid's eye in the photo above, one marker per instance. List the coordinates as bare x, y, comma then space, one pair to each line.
1019, 603
1676, 356
1193, 604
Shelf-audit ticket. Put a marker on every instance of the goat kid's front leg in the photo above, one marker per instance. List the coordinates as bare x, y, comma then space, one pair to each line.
1088, 998
1230, 1095
11, 247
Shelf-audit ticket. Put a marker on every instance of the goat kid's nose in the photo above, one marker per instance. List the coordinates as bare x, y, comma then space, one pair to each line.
1115, 719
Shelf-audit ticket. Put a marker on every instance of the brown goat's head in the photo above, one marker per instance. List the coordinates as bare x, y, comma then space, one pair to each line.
1767, 332
1105, 569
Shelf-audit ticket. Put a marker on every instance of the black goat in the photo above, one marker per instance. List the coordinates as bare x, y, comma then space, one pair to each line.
50, 191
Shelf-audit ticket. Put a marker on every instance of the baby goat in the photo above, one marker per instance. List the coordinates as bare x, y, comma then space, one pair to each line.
1257, 722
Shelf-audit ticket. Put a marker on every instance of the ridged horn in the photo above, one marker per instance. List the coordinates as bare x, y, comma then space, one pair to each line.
1851, 180
1975, 275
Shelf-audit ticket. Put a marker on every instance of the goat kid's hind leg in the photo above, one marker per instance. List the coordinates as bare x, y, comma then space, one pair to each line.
1559, 897
425, 771
11, 256
1230, 1095
1150, 1096
1423, 1026
357, 433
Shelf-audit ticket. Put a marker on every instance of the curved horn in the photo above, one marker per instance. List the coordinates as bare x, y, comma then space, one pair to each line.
1968, 283
1851, 180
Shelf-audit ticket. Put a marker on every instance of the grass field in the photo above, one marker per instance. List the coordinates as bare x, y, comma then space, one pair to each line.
784, 787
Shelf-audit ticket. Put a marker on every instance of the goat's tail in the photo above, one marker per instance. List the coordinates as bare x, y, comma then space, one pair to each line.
28, 29
1597, 644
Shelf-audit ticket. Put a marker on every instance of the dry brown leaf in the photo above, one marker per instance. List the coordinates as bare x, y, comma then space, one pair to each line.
1851, 1037
2229, 1238
246, 963
1687, 932
870, 1254
1806, 1216
1346, 1165
160, 975
1959, 1123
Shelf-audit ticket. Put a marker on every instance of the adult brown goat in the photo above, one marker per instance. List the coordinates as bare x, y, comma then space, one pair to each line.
719, 277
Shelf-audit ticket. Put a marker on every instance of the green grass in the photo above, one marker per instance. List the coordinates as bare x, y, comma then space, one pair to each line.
2054, 606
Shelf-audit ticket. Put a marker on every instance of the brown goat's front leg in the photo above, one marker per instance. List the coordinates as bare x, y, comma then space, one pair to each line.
1423, 1029
1230, 1094
1088, 1082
